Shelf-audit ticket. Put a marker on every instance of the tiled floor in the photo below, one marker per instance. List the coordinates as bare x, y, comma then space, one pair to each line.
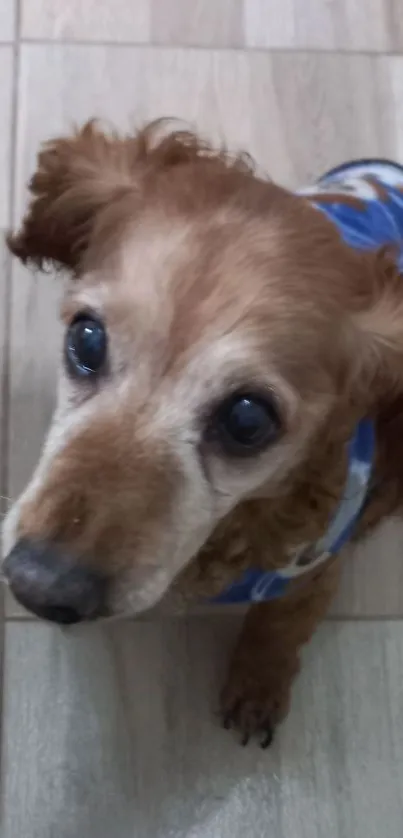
111, 732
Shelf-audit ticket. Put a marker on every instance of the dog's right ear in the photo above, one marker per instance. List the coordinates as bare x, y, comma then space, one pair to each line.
80, 175
76, 177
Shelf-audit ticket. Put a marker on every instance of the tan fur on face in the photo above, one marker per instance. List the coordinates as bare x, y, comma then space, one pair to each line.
208, 280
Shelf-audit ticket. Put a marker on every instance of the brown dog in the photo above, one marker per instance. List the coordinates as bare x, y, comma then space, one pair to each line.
222, 342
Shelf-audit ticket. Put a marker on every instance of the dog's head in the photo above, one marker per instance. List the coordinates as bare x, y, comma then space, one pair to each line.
215, 326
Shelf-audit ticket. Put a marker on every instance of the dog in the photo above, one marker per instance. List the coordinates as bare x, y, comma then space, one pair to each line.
230, 403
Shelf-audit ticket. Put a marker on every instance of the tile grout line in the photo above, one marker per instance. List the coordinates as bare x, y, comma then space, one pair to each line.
241, 48
143, 620
5, 366
6, 362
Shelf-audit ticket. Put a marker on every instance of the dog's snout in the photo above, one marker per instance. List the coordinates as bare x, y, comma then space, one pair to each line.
52, 585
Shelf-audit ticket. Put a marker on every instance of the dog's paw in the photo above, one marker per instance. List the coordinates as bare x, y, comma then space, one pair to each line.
255, 703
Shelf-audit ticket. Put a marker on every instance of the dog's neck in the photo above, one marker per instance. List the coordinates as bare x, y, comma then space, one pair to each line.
256, 585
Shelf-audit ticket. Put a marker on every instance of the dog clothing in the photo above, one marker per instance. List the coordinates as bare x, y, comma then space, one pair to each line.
364, 199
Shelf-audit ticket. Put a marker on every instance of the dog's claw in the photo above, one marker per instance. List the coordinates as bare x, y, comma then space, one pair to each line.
267, 738
229, 722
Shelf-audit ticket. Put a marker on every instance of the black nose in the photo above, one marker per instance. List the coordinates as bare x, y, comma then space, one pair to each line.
52, 585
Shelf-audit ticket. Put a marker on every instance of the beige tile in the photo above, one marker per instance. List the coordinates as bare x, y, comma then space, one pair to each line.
128, 85
94, 20
372, 583
114, 733
7, 20
393, 74
178, 22
35, 340
4, 281
331, 108
203, 22
395, 25
349, 25
288, 109
6, 76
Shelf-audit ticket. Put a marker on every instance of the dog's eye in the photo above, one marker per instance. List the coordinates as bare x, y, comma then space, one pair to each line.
245, 423
86, 346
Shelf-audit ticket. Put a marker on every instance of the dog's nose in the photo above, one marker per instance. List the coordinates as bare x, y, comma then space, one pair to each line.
52, 585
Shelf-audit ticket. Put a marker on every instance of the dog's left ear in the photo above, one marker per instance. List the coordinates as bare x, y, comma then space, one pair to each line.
76, 177
377, 318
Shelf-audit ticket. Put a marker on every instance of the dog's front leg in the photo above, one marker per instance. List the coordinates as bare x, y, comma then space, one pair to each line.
257, 693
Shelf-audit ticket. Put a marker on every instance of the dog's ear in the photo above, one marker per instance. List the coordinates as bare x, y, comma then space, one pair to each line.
75, 178
376, 351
